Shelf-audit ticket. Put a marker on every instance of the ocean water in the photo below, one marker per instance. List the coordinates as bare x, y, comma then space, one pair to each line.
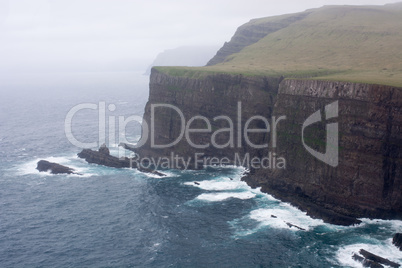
110, 217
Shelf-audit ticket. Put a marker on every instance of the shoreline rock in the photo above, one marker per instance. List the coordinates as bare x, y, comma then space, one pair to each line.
102, 157
397, 240
369, 259
54, 168
307, 205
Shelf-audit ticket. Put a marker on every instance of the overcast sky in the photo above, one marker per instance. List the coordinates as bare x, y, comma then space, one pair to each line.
91, 35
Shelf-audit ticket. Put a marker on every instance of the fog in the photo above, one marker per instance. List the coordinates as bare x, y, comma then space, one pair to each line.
122, 35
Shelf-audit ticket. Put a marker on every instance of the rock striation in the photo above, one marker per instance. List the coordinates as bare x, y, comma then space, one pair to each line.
209, 97
367, 180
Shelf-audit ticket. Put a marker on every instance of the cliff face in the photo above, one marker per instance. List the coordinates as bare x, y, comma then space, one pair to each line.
208, 97
366, 181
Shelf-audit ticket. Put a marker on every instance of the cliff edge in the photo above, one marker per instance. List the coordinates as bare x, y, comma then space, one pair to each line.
367, 179
310, 103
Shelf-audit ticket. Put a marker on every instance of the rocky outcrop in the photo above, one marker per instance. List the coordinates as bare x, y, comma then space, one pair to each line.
104, 150
397, 240
100, 158
54, 168
252, 32
366, 181
369, 259
103, 157
237, 97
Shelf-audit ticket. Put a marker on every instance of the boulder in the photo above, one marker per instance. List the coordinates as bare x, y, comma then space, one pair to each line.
366, 262
369, 259
103, 157
54, 168
104, 150
397, 240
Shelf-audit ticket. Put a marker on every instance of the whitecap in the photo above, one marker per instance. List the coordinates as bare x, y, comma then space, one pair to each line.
29, 168
218, 185
151, 175
384, 249
170, 174
216, 197
390, 225
284, 216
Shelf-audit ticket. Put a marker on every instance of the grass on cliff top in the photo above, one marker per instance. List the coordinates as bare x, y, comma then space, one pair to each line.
346, 43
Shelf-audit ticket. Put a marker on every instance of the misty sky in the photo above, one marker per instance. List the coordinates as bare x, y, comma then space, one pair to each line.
93, 35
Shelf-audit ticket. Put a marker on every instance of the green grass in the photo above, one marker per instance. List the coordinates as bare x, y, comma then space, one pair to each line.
346, 43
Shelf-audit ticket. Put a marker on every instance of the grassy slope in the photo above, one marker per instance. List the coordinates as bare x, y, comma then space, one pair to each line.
349, 43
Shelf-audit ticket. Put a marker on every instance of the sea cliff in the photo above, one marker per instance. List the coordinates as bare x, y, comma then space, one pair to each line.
366, 180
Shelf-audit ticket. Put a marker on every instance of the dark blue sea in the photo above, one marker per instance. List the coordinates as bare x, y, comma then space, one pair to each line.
110, 217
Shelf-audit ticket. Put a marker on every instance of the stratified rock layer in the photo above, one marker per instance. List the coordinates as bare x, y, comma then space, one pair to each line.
367, 181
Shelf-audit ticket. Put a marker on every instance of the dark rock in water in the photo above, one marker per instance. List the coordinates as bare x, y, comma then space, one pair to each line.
397, 240
54, 168
104, 150
369, 259
103, 157
196, 183
366, 262
273, 216
292, 225
364, 184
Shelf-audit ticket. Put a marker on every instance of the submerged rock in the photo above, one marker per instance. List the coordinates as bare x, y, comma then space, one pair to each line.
371, 260
54, 168
397, 240
366, 262
364, 184
292, 225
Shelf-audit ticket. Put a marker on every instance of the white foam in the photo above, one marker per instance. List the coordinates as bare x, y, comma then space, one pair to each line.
151, 175
282, 214
171, 174
29, 168
218, 185
216, 197
391, 225
384, 249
